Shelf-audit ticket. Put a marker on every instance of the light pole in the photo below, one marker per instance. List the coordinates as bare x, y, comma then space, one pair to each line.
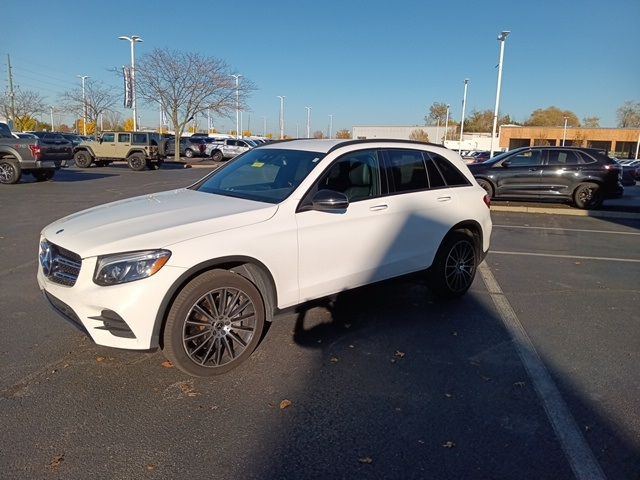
564, 131
133, 39
84, 104
51, 110
501, 38
446, 125
237, 77
464, 106
264, 126
308, 122
331, 125
281, 116
438, 131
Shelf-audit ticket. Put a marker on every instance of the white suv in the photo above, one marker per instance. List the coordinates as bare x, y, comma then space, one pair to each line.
198, 271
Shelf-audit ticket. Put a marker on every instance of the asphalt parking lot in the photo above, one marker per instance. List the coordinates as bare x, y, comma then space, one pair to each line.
533, 374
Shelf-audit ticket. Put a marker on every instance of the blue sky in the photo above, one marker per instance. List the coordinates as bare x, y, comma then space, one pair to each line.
365, 62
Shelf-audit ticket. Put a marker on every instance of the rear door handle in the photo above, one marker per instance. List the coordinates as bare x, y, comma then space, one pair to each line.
444, 199
377, 208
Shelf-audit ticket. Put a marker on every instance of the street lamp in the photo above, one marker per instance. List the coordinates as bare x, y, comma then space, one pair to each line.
564, 131
308, 122
133, 39
446, 125
281, 116
464, 106
501, 38
51, 110
331, 125
237, 77
84, 104
264, 126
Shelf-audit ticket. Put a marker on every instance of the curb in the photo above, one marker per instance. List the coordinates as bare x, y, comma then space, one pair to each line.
560, 211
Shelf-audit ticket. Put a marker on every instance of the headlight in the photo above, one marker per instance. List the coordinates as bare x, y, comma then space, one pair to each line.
128, 267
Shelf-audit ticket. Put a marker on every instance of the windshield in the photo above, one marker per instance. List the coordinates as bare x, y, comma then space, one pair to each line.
265, 174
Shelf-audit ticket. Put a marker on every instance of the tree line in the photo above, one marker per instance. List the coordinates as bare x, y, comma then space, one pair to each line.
627, 116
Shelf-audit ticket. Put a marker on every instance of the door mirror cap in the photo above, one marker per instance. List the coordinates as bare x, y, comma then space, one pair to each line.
329, 201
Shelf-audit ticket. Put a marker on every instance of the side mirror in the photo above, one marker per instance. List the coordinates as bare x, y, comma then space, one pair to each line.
100, 139
506, 163
329, 201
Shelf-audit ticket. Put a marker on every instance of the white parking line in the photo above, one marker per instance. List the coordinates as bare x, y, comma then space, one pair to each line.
580, 457
612, 232
573, 257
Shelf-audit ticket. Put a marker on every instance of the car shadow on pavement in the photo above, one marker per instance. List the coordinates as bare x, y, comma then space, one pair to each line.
70, 175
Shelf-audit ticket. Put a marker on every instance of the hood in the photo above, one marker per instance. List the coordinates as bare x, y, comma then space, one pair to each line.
153, 221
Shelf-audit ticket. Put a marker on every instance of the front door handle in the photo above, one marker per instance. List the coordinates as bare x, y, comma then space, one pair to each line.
377, 208
444, 198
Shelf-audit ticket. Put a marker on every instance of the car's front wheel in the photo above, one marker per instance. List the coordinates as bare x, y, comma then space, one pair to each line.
486, 184
9, 172
83, 159
454, 267
188, 153
214, 324
217, 156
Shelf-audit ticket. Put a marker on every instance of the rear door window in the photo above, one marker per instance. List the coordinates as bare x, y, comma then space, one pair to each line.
124, 137
139, 138
406, 170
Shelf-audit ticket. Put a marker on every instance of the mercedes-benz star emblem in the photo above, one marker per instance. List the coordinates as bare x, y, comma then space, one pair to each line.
46, 258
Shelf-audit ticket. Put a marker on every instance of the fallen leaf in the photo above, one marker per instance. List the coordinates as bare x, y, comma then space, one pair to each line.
187, 389
151, 467
421, 442
285, 404
399, 354
587, 428
455, 334
448, 395
576, 263
351, 346
393, 360
167, 364
486, 379
56, 461
366, 460
519, 384
99, 359
334, 360
448, 444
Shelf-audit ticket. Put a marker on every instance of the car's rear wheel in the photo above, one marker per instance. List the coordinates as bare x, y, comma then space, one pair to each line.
217, 156
188, 153
9, 172
588, 195
137, 162
486, 184
454, 267
43, 175
83, 159
214, 324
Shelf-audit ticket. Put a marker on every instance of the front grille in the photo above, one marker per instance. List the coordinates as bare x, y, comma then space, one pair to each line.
59, 264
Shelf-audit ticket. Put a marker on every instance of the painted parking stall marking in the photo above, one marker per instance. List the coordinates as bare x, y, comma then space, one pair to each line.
580, 457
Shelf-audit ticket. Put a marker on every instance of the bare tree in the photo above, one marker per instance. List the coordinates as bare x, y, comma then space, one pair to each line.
344, 133
112, 120
318, 134
187, 84
27, 104
591, 122
99, 98
629, 115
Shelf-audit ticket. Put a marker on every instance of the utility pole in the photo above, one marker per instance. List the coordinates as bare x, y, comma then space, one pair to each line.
446, 125
308, 122
464, 106
281, 97
331, 125
51, 111
84, 105
12, 94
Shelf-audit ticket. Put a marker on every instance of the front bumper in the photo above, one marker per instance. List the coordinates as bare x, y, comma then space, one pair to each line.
120, 316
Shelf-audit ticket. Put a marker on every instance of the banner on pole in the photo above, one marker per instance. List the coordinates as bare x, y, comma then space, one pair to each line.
128, 87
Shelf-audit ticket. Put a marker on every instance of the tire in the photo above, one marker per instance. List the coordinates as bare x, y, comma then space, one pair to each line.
201, 339
43, 175
217, 156
188, 153
137, 162
588, 196
83, 159
454, 267
9, 172
486, 184
102, 163
154, 165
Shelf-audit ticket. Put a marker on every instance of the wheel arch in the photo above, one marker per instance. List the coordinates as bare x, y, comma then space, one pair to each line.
486, 178
474, 229
136, 150
249, 268
84, 149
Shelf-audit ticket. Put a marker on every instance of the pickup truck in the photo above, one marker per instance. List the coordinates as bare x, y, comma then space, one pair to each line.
32, 156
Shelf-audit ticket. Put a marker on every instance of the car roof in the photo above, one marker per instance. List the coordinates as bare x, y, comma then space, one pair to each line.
328, 145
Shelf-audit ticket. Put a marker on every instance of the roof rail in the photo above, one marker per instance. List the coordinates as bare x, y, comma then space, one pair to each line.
382, 140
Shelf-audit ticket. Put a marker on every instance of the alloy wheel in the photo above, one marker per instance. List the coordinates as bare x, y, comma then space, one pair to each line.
460, 266
218, 327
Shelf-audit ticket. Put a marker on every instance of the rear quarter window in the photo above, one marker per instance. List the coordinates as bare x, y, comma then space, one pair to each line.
450, 173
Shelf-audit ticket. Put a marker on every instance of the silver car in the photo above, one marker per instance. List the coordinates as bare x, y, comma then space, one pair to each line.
227, 148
